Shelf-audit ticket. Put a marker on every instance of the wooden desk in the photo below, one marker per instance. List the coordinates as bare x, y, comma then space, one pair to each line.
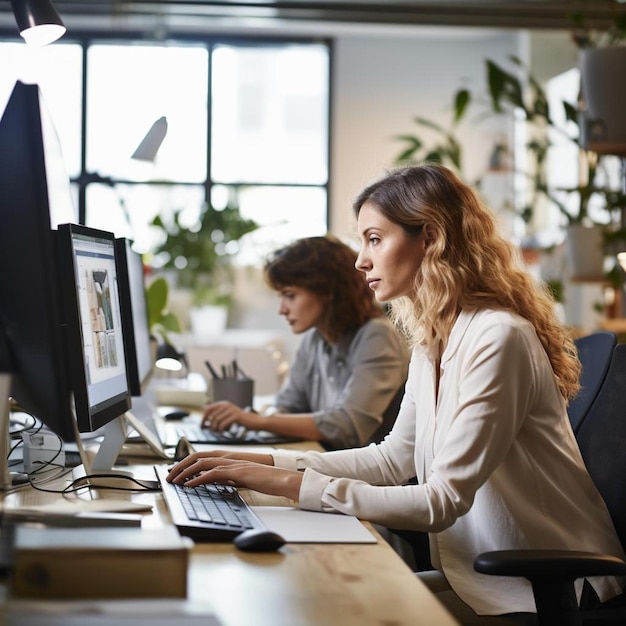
302, 584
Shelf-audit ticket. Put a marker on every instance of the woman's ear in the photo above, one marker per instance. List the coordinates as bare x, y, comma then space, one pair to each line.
430, 234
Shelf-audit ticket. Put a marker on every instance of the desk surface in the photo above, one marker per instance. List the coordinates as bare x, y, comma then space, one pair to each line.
302, 584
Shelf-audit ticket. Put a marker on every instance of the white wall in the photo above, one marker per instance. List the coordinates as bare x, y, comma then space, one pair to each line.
381, 83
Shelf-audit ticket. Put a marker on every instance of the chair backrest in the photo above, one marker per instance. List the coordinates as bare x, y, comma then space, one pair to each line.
602, 440
594, 352
389, 417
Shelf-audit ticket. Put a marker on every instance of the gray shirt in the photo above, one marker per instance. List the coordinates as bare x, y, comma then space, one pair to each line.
349, 387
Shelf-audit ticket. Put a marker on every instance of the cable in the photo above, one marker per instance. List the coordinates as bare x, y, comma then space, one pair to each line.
76, 485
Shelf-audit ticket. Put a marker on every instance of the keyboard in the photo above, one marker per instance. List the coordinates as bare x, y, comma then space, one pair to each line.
194, 433
208, 512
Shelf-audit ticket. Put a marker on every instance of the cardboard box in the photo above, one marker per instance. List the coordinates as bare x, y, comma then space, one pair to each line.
66, 563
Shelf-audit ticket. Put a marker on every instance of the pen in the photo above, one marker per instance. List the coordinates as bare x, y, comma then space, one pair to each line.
238, 370
210, 368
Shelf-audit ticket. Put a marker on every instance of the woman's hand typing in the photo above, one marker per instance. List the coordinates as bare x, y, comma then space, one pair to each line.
241, 469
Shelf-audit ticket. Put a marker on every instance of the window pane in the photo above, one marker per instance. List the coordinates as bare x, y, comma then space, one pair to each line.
283, 214
270, 114
58, 71
128, 210
128, 89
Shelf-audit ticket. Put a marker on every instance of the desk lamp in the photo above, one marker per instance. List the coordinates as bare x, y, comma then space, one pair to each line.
38, 21
150, 144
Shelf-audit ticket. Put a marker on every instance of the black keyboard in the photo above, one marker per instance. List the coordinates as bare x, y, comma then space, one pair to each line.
208, 512
194, 433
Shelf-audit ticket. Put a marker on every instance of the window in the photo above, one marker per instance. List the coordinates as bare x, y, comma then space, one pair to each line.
247, 120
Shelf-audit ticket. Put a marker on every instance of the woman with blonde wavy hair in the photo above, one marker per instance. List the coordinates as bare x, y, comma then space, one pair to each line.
483, 423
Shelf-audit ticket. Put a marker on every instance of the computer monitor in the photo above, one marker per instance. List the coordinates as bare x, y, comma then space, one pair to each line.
91, 299
95, 336
32, 201
138, 345
42, 348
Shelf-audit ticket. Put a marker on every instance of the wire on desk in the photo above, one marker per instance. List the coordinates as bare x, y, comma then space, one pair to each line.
83, 483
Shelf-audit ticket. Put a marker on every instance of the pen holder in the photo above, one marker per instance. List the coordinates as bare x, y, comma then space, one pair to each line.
239, 391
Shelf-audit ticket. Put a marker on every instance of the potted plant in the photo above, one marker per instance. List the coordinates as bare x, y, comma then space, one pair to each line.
448, 149
507, 91
200, 257
160, 320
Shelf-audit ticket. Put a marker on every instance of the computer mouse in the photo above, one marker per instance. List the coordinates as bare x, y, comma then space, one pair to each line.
176, 414
258, 540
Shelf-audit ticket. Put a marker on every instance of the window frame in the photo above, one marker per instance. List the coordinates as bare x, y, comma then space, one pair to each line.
88, 38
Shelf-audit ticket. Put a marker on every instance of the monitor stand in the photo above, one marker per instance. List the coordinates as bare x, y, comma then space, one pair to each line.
97, 467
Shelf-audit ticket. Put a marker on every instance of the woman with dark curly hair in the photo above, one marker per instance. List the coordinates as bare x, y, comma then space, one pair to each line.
345, 384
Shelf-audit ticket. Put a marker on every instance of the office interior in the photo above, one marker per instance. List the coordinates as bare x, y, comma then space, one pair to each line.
382, 74
388, 63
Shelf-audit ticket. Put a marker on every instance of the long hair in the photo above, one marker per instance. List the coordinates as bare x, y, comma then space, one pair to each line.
325, 266
467, 264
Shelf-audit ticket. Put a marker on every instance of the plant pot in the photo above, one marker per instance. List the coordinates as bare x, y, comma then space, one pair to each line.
585, 252
208, 319
603, 82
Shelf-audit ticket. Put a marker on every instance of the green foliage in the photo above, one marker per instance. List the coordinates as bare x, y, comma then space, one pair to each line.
507, 92
160, 320
587, 37
448, 149
555, 285
201, 255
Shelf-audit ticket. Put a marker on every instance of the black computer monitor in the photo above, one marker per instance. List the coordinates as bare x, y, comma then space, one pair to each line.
89, 271
32, 201
55, 375
138, 345
92, 313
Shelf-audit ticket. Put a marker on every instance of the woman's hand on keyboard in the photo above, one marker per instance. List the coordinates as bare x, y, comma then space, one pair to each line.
220, 416
220, 467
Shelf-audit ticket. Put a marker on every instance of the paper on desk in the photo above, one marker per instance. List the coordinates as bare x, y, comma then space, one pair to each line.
109, 613
297, 526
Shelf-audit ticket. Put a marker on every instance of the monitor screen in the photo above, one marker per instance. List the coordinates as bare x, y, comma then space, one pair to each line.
97, 366
137, 343
30, 306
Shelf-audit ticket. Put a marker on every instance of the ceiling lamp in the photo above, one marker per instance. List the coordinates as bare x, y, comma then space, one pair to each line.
38, 21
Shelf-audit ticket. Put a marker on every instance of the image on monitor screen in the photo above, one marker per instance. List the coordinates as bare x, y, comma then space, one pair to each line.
91, 299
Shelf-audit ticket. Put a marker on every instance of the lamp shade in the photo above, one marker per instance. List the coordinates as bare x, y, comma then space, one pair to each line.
150, 144
38, 21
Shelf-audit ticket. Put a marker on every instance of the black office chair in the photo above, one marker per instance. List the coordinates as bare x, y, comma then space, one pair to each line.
602, 440
594, 351
389, 417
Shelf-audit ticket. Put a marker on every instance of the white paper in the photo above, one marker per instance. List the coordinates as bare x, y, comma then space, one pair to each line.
297, 526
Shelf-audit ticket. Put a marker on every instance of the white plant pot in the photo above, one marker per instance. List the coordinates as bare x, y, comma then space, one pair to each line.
208, 319
585, 252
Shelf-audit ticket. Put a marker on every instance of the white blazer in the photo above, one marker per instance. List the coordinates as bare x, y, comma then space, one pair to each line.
497, 463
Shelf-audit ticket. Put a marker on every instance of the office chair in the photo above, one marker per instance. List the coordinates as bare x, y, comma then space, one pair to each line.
389, 417
602, 440
594, 351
